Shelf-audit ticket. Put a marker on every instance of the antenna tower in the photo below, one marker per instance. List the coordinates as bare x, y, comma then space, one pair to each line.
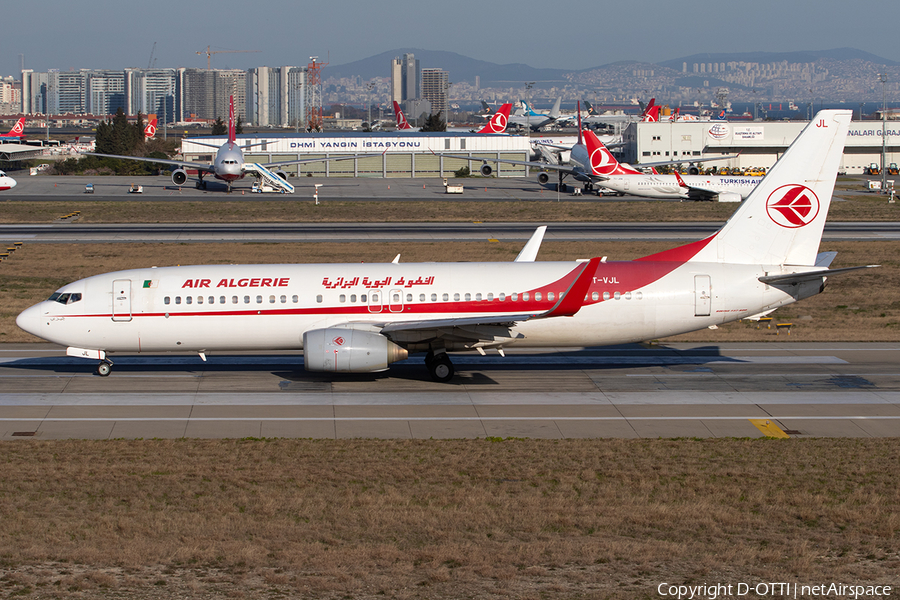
314, 120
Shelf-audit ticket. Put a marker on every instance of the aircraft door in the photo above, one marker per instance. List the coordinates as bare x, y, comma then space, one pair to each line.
121, 300
395, 301
375, 301
702, 295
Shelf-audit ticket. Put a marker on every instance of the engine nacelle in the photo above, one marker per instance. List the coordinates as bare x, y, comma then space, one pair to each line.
342, 350
728, 197
179, 176
543, 178
282, 174
693, 170
486, 170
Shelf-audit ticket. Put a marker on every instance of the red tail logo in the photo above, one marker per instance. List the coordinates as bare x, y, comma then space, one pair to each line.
18, 129
232, 127
498, 122
402, 123
602, 160
150, 129
793, 206
652, 114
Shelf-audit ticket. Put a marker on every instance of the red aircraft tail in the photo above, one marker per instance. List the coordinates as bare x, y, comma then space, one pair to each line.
150, 129
232, 126
602, 160
18, 129
402, 123
498, 121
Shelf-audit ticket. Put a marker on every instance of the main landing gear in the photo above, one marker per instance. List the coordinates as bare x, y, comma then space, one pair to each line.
104, 368
439, 366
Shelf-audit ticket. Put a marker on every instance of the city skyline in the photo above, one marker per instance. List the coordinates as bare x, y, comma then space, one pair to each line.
581, 34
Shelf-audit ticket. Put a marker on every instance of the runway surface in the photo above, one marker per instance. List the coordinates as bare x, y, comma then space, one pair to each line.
682, 390
411, 232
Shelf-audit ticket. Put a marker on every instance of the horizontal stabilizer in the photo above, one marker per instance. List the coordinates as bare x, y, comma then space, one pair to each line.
793, 278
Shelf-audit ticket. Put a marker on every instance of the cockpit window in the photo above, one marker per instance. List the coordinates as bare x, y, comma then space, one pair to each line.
69, 298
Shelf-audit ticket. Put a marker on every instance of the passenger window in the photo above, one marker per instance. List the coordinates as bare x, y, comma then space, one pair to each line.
617, 296
259, 299
295, 299
188, 299
352, 297
395, 298
363, 298
606, 295
628, 295
468, 297
421, 297
284, 299
515, 297
595, 296
550, 296
234, 299
319, 298
409, 297
537, 296
456, 297
342, 298
271, 299
446, 297
434, 297
166, 300
639, 295
246, 299
526, 297
490, 296
212, 299
177, 299
199, 299
478, 297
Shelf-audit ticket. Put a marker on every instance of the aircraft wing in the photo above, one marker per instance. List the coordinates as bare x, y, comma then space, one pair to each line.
682, 161
206, 167
490, 328
525, 163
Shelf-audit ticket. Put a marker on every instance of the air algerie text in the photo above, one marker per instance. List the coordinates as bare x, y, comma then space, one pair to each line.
239, 283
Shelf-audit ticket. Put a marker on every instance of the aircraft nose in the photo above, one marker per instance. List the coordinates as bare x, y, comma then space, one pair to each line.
30, 320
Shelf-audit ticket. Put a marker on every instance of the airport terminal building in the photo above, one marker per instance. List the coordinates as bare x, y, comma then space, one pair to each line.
760, 143
381, 155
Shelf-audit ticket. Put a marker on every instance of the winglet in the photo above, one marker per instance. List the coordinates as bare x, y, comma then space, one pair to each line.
529, 252
573, 299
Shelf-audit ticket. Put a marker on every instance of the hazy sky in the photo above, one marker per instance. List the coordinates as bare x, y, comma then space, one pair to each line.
573, 34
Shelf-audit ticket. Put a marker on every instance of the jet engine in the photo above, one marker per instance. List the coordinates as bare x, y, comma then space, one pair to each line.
543, 178
728, 197
486, 170
343, 350
282, 174
693, 170
179, 176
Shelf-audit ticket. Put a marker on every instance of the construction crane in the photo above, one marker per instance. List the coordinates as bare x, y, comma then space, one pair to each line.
209, 54
151, 63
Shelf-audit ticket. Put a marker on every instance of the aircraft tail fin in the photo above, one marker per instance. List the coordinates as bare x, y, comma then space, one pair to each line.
602, 160
18, 130
150, 129
498, 121
554, 112
651, 115
402, 123
232, 126
781, 221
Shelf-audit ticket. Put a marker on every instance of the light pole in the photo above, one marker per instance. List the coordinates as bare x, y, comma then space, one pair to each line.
370, 86
883, 78
528, 86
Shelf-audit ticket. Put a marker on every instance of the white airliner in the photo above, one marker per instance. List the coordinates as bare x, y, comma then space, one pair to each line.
6, 182
229, 165
721, 188
356, 317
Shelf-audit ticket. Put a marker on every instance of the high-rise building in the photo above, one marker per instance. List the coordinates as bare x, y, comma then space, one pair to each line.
275, 96
397, 80
203, 94
409, 71
104, 92
150, 91
435, 85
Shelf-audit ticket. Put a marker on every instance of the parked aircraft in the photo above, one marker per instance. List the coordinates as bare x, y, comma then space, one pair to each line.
6, 182
498, 121
229, 165
402, 123
719, 188
361, 317
529, 118
150, 129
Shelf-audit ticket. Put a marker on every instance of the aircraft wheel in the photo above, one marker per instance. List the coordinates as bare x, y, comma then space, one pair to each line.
104, 368
441, 369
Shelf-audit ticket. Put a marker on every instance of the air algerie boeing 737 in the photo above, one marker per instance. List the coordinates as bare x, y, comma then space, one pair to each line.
356, 318
229, 165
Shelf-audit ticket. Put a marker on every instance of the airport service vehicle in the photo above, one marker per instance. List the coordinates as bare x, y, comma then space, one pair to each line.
6, 182
229, 165
361, 317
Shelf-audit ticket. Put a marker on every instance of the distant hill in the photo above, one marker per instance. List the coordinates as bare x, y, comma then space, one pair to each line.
461, 68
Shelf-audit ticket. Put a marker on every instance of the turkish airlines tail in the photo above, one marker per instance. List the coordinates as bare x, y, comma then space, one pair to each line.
18, 130
651, 115
232, 126
781, 221
402, 123
498, 121
602, 160
150, 129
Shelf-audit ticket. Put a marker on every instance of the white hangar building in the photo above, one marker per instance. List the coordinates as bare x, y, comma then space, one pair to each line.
760, 143
385, 154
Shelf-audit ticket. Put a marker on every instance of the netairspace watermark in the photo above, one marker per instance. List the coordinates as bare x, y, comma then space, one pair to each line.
717, 591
